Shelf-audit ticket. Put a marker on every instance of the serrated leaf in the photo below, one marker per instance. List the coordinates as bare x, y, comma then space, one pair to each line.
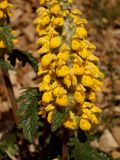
6, 65
7, 37
28, 112
9, 145
83, 151
24, 57
58, 119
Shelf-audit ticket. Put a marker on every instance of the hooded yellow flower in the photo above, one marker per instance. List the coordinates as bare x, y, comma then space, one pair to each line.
69, 77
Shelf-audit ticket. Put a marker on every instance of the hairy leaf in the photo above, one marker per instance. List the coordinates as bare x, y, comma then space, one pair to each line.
7, 37
58, 119
9, 145
28, 112
6, 65
83, 151
24, 57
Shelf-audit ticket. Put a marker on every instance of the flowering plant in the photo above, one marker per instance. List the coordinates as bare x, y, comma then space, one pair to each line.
61, 110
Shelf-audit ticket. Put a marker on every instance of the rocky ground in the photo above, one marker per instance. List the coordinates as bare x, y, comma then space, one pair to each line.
104, 31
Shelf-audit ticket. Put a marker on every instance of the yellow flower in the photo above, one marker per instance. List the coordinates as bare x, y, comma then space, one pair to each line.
92, 96
63, 71
93, 70
55, 42
55, 9
63, 55
57, 21
45, 85
81, 32
76, 12
4, 4
62, 100
42, 2
50, 117
85, 124
43, 50
95, 109
84, 53
1, 14
50, 107
46, 59
2, 45
47, 97
78, 69
75, 44
58, 91
71, 122
97, 85
70, 80
79, 97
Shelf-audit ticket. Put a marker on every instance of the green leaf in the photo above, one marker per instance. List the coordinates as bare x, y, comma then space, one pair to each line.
6, 65
83, 151
28, 112
7, 36
24, 57
58, 119
9, 145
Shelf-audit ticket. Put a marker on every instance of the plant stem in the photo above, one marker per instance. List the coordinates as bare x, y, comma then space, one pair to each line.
65, 147
10, 91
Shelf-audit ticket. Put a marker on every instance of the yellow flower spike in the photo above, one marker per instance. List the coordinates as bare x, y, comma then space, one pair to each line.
68, 75
85, 124
71, 122
55, 42
81, 32
87, 81
47, 97
62, 100
75, 45
50, 117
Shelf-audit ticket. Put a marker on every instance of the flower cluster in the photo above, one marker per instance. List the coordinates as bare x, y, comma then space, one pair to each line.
69, 78
4, 13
